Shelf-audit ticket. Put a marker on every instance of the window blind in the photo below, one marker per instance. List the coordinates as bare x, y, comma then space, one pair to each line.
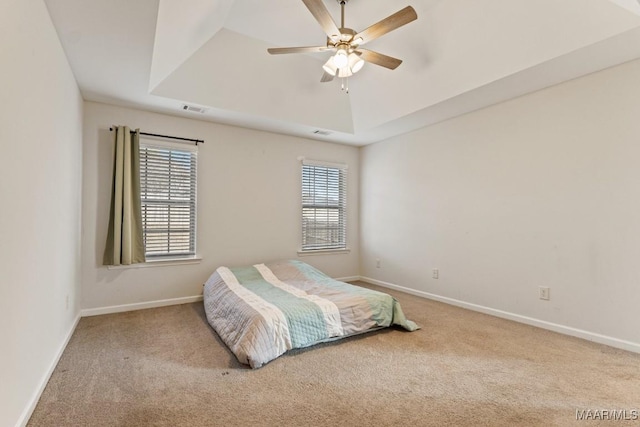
324, 201
168, 196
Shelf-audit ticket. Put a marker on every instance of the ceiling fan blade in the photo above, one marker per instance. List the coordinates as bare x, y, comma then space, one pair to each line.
379, 59
320, 12
388, 24
326, 77
310, 49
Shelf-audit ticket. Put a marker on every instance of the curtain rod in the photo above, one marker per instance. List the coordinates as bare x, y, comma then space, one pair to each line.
197, 141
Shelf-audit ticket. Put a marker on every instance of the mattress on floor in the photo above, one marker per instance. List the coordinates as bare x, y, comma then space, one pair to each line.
264, 310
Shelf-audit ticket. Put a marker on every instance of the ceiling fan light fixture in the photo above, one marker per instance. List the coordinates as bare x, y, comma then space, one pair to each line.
355, 63
341, 58
329, 67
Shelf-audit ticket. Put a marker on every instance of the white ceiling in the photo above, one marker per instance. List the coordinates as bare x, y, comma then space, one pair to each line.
460, 55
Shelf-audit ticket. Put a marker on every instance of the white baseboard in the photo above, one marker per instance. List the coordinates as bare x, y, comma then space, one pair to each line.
347, 279
566, 330
28, 411
139, 306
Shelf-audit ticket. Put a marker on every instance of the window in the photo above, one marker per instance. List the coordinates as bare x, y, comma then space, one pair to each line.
324, 189
168, 195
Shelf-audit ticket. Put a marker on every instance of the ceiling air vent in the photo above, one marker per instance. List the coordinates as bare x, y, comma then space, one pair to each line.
194, 109
321, 132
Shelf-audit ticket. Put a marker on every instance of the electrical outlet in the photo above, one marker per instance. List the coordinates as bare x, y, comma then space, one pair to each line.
435, 273
377, 262
545, 293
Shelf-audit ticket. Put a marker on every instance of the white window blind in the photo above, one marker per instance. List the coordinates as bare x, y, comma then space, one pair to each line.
324, 204
168, 195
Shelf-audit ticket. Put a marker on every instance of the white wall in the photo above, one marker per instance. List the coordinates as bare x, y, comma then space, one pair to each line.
40, 189
543, 190
248, 204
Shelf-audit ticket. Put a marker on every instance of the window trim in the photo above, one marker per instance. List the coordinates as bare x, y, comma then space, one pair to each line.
324, 252
342, 207
172, 258
196, 259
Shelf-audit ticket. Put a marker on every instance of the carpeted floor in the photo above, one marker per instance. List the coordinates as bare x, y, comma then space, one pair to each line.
166, 367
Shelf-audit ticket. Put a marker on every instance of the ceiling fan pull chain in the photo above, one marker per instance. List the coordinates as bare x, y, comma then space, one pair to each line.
345, 87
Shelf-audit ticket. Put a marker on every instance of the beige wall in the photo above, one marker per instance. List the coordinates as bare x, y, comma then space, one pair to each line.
40, 189
248, 204
543, 190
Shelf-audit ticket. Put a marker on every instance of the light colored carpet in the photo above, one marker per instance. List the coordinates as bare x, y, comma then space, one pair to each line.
166, 367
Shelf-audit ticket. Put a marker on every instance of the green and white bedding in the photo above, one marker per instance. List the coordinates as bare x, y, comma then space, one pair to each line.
263, 311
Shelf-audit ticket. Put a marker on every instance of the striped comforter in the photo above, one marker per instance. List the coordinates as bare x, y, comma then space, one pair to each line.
262, 311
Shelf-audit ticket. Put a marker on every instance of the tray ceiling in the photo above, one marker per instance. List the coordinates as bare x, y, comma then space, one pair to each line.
460, 55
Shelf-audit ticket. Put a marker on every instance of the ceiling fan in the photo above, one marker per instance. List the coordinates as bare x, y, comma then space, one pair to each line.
349, 56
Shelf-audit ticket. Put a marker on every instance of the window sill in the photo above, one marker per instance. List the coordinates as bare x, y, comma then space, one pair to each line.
324, 252
158, 263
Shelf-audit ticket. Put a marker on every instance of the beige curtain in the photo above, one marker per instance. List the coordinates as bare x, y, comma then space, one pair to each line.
124, 241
